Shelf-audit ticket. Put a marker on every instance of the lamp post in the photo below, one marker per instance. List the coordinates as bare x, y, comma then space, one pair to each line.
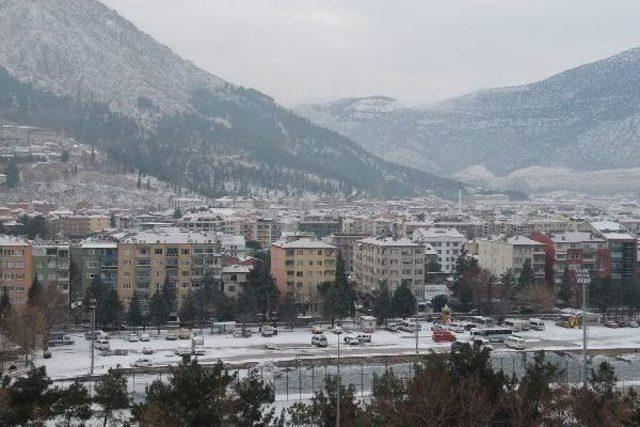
583, 277
338, 392
92, 306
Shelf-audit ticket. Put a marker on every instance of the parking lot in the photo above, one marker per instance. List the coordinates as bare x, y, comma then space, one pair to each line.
74, 360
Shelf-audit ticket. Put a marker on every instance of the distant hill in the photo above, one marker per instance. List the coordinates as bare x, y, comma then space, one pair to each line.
78, 66
586, 118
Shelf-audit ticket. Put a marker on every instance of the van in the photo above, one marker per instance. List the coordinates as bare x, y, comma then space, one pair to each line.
102, 344
536, 324
516, 342
517, 325
319, 341
409, 326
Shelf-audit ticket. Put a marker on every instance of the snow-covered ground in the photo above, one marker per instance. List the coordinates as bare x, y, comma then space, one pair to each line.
74, 360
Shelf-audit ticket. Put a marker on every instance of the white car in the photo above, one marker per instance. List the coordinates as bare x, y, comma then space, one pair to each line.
268, 331
142, 363
362, 337
133, 338
102, 344
171, 336
351, 340
147, 350
183, 351
337, 330
145, 338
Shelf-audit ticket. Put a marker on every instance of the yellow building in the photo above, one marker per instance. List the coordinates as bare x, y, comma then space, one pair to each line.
184, 259
299, 267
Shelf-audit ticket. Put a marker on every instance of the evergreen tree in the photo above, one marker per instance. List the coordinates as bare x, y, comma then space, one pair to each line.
5, 303
112, 220
566, 289
28, 400
35, 293
73, 405
382, 303
148, 185
438, 302
260, 288
287, 310
331, 301
346, 293
404, 303
64, 156
139, 182
433, 266
134, 315
158, 310
177, 213
13, 176
111, 393
108, 306
197, 396
527, 276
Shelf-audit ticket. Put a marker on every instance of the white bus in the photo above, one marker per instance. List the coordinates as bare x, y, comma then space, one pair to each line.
497, 334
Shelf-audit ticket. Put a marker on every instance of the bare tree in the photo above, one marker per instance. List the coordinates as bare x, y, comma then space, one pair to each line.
537, 298
25, 329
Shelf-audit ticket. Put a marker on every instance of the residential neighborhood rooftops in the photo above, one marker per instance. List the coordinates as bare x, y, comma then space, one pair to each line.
303, 243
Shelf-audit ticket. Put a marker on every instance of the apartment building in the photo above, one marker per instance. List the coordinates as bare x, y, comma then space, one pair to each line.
447, 243
510, 253
77, 226
234, 279
51, 263
578, 250
91, 258
299, 267
384, 258
344, 243
149, 258
319, 225
623, 248
15, 268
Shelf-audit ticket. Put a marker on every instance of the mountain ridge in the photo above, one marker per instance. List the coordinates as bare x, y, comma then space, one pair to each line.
146, 106
585, 118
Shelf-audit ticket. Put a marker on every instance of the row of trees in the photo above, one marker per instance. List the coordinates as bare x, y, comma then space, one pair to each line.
399, 303
30, 327
462, 389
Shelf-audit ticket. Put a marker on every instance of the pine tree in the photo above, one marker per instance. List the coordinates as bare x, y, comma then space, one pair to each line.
134, 315
112, 220
111, 393
177, 213
73, 404
346, 293
404, 303
12, 173
158, 310
5, 303
527, 276
382, 303
35, 292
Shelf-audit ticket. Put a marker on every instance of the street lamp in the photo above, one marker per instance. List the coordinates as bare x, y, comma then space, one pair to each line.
338, 332
583, 277
92, 306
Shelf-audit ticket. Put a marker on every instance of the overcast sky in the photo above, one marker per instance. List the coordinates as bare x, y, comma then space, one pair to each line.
418, 51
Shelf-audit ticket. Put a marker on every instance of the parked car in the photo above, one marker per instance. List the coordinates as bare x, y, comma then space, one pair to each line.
183, 351
59, 338
199, 351
362, 337
184, 334
633, 324
316, 329
242, 333
516, 342
319, 341
437, 327
47, 354
610, 324
268, 331
351, 340
391, 327
270, 346
442, 335
457, 329
119, 352
337, 330
145, 338
147, 350
536, 324
133, 338
481, 342
171, 336
142, 363
97, 334
101, 344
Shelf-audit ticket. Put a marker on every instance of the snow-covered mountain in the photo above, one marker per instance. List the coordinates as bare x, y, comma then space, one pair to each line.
78, 66
586, 118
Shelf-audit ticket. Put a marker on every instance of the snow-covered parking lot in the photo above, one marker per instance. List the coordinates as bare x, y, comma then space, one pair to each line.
74, 360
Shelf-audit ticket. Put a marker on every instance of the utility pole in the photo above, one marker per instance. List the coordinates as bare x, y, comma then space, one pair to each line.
338, 392
417, 327
92, 306
584, 278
